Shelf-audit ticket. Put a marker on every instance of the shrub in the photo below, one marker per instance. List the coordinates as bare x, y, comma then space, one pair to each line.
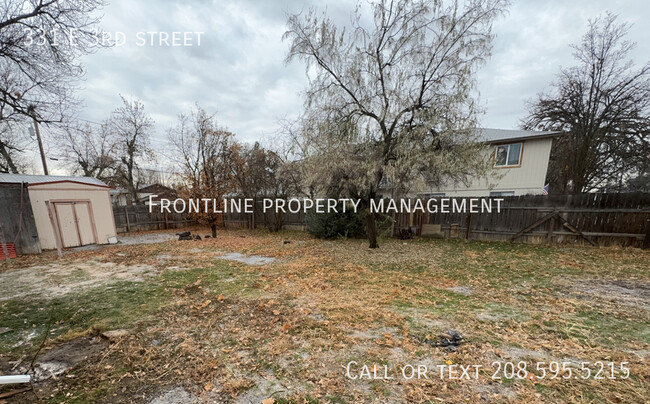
336, 224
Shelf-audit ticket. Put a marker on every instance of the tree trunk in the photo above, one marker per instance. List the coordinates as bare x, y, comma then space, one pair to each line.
213, 227
11, 167
371, 228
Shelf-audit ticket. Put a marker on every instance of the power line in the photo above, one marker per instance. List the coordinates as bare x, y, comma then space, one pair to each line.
89, 121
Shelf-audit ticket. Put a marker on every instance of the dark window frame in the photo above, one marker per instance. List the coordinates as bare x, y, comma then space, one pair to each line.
506, 165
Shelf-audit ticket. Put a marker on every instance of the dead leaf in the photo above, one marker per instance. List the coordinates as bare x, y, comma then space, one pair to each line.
268, 401
208, 386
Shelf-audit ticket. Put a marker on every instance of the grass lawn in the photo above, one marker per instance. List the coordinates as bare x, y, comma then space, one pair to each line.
540, 323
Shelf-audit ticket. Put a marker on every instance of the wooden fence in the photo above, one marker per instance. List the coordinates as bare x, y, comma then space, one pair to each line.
599, 219
137, 218
261, 219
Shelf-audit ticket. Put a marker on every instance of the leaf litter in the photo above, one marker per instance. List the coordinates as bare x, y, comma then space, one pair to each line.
295, 324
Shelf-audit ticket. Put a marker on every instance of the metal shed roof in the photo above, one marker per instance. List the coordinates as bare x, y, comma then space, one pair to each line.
44, 179
499, 135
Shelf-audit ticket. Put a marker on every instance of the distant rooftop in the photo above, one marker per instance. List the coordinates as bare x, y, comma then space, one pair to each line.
40, 179
498, 135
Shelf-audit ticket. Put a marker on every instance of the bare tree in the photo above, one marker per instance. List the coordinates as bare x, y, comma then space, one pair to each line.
260, 172
130, 129
205, 154
391, 104
13, 142
604, 105
90, 150
40, 45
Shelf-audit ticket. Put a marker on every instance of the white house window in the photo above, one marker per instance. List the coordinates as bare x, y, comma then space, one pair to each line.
507, 155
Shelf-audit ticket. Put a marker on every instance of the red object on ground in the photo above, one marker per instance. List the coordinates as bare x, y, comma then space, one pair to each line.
12, 251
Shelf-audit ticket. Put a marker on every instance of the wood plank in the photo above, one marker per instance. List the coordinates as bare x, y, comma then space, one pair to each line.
532, 226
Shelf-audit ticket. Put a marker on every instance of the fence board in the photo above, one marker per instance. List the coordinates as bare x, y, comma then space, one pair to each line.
137, 218
620, 219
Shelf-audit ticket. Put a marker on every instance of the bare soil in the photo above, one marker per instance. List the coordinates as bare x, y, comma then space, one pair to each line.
58, 279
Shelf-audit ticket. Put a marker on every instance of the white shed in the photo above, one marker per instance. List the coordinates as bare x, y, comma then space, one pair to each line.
68, 211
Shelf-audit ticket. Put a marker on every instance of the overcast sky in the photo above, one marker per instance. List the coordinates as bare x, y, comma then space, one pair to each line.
238, 70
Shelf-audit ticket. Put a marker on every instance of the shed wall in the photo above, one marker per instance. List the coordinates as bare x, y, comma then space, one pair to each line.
100, 201
10, 219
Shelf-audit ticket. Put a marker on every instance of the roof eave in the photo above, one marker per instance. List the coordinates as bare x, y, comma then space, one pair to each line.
70, 181
522, 138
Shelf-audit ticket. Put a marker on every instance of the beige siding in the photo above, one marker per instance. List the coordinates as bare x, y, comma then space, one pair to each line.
526, 179
74, 234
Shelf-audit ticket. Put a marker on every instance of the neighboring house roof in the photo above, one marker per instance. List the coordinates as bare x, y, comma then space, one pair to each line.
45, 179
504, 135
155, 188
156, 192
119, 191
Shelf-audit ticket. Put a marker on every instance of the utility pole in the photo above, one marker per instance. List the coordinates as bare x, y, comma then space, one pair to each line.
40, 142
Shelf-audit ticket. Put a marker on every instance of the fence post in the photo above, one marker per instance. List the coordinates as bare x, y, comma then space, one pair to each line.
126, 214
253, 215
646, 240
549, 233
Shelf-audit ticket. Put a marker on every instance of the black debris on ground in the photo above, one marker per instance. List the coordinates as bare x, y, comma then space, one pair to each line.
449, 339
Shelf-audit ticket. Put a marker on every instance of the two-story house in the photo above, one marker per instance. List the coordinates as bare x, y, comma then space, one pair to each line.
520, 162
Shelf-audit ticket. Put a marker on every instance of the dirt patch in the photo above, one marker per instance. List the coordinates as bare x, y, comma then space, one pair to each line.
247, 259
61, 358
265, 386
58, 279
628, 292
145, 238
490, 317
423, 319
516, 353
463, 290
494, 392
176, 395
373, 333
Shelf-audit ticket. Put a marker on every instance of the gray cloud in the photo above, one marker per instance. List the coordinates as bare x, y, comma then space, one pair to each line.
239, 71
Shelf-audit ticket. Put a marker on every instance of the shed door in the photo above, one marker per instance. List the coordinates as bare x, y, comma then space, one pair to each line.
84, 223
67, 224
75, 222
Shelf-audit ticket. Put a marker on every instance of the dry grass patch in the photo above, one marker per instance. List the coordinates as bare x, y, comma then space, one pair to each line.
224, 331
